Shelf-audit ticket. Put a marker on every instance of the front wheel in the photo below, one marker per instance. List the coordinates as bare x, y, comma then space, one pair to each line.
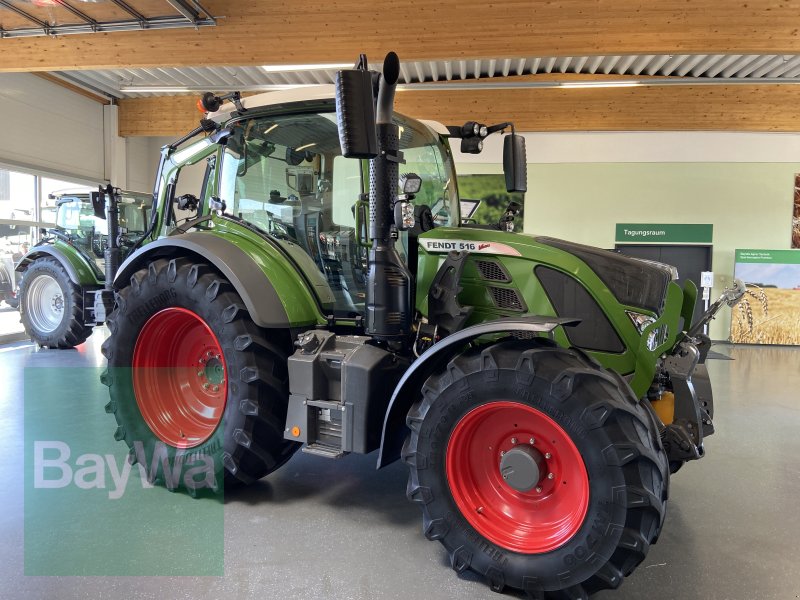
537, 469
198, 390
51, 306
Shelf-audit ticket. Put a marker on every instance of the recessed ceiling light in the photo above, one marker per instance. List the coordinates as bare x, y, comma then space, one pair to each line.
321, 66
600, 84
155, 90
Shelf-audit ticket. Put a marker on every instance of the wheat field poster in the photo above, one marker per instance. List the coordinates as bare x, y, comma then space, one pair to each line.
769, 313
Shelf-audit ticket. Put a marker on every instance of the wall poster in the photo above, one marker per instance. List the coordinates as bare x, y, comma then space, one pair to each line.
770, 311
796, 213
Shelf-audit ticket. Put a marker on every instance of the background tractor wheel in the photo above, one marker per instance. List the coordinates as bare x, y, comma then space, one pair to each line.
199, 391
51, 306
538, 469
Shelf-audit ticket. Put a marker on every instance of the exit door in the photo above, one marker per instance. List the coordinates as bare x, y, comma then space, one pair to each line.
690, 260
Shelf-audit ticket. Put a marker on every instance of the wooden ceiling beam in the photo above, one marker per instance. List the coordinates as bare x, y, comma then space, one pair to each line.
73, 88
281, 32
768, 107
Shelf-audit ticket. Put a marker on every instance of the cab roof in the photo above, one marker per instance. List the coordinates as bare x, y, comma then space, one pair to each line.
298, 94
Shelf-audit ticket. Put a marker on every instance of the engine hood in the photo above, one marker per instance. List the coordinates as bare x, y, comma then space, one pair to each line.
634, 282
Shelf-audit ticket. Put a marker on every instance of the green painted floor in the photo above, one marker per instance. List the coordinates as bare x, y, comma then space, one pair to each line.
340, 530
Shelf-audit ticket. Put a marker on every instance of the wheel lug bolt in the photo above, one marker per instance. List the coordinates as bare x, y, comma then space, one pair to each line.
513, 440
502, 452
200, 373
205, 386
480, 510
532, 441
216, 356
548, 455
538, 490
550, 476
202, 360
216, 389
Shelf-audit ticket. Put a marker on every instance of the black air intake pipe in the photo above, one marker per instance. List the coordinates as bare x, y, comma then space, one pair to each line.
388, 302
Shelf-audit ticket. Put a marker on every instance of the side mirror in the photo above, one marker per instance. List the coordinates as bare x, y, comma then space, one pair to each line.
355, 112
99, 203
515, 163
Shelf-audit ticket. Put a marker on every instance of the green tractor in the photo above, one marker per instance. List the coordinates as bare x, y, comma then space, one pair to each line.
65, 287
540, 391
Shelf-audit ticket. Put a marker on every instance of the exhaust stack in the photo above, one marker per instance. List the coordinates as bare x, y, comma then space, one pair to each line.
388, 302
366, 131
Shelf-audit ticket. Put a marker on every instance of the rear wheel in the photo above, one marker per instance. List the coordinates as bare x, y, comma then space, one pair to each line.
537, 469
199, 391
51, 306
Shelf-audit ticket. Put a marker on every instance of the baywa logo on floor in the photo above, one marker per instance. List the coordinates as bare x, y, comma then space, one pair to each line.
52, 469
90, 507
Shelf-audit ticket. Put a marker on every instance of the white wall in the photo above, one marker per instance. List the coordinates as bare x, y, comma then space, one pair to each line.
47, 127
581, 184
142, 163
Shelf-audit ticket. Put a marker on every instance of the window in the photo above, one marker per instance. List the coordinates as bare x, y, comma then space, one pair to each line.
287, 176
424, 157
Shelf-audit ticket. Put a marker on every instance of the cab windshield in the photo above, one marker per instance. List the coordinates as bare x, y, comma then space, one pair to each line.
287, 176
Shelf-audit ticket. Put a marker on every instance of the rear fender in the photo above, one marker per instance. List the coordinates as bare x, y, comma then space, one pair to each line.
276, 301
433, 360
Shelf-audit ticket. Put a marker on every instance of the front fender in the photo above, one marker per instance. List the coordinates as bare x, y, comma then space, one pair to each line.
272, 298
432, 360
79, 271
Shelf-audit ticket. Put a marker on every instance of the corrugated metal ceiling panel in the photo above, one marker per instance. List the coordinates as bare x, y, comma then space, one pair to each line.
168, 80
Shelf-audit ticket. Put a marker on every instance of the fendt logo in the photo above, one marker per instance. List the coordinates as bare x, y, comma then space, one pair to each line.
473, 247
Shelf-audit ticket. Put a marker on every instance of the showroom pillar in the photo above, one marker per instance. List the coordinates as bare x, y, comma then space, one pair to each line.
114, 149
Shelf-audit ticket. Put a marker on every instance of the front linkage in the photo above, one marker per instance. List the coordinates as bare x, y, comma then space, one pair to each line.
682, 384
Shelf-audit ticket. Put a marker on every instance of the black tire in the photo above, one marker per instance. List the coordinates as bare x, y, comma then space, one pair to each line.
616, 437
51, 306
247, 443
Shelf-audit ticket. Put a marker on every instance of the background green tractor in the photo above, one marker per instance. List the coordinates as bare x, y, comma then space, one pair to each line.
323, 301
73, 266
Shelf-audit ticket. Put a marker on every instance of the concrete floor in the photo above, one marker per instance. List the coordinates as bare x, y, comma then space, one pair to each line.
320, 529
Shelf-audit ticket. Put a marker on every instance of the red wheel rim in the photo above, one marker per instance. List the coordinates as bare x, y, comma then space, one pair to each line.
179, 377
531, 522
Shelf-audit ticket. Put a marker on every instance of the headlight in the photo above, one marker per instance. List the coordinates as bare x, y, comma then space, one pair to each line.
656, 337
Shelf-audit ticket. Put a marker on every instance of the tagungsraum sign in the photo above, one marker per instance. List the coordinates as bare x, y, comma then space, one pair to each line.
770, 311
664, 233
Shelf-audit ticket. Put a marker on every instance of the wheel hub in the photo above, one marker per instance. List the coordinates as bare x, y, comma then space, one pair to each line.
211, 371
523, 467
58, 303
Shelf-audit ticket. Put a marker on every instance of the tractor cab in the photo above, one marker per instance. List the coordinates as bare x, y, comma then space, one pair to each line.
286, 175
